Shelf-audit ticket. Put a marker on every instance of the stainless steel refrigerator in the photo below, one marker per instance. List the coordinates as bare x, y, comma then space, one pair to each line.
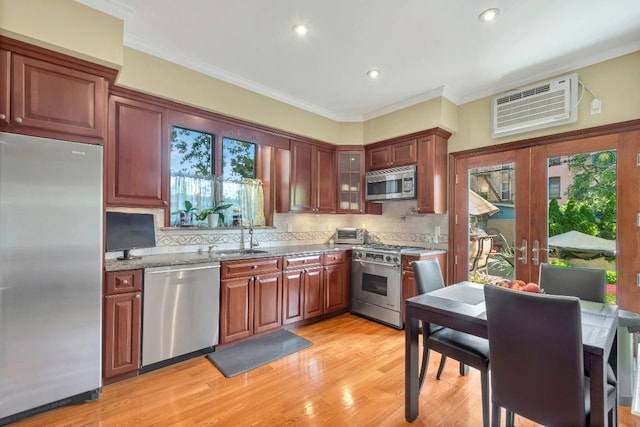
50, 274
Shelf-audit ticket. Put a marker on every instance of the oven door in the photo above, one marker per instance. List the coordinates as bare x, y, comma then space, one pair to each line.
377, 284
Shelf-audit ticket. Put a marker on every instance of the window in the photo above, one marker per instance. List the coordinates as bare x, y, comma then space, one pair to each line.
554, 161
505, 185
192, 163
238, 185
554, 187
193, 179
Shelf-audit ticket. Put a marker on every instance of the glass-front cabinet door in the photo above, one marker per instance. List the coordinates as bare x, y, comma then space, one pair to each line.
350, 177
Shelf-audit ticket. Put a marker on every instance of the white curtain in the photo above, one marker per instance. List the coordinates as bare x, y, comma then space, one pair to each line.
245, 195
196, 189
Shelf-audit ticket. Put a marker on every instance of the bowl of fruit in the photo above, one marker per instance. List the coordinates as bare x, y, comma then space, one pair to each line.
521, 285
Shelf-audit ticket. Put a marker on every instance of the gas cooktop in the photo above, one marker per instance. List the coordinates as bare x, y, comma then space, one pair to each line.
381, 247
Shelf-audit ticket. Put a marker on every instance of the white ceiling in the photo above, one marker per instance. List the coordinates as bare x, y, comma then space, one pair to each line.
423, 48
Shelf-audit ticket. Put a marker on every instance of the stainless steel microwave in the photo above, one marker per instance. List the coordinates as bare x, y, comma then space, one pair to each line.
352, 236
391, 184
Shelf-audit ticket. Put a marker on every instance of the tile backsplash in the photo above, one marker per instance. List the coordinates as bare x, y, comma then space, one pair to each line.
399, 224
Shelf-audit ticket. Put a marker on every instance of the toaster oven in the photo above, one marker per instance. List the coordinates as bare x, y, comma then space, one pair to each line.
353, 236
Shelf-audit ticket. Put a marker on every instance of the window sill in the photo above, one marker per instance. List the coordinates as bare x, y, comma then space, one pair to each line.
206, 228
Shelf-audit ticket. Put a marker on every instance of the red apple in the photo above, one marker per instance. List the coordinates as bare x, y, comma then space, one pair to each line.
532, 287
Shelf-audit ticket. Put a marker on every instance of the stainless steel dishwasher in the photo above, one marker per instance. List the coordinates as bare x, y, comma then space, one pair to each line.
180, 310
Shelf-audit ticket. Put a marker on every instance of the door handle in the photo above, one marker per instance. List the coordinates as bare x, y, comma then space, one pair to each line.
523, 249
536, 249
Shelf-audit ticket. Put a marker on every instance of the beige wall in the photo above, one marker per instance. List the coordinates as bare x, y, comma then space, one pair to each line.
425, 115
616, 83
156, 76
64, 26
73, 28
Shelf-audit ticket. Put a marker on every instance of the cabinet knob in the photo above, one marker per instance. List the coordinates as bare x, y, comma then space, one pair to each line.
165, 203
138, 296
18, 120
3, 116
254, 266
125, 282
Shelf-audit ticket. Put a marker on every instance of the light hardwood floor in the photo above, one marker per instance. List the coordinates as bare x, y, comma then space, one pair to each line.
352, 375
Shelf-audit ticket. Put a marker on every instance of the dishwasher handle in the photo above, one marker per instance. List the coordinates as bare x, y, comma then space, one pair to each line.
180, 268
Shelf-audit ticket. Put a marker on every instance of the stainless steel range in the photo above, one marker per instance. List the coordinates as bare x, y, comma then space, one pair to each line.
376, 282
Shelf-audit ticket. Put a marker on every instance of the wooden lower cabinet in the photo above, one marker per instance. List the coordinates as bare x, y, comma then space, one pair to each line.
313, 292
267, 291
292, 296
122, 324
336, 287
250, 304
409, 289
302, 287
320, 288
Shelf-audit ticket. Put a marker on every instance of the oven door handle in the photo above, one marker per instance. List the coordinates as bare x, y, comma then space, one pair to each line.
362, 263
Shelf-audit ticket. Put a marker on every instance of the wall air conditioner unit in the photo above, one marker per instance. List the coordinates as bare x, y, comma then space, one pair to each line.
547, 104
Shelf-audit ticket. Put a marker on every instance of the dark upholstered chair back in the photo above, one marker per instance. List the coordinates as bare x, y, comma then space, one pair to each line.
588, 284
535, 344
428, 275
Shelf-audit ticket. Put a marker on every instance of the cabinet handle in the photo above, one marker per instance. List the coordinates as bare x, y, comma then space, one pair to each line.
137, 296
18, 120
125, 282
2, 116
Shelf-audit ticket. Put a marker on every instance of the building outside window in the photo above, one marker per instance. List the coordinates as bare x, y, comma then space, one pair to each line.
554, 187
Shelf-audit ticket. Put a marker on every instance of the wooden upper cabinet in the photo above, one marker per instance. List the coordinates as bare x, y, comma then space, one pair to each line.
325, 180
432, 172
312, 181
46, 99
5, 86
350, 181
302, 185
137, 154
391, 155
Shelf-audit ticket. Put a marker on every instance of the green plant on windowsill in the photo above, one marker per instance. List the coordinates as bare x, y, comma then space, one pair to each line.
187, 213
218, 208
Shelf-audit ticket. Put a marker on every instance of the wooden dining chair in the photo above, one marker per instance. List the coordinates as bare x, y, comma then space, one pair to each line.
467, 349
537, 365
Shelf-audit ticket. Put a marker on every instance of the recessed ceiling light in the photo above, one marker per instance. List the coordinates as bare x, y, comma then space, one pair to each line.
374, 74
489, 15
300, 29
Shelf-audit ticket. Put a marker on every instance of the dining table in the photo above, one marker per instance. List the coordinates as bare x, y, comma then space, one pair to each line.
461, 306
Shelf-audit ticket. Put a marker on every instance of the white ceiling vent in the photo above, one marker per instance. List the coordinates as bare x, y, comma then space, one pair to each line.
547, 104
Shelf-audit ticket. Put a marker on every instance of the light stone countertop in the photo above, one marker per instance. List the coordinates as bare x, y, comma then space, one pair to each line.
424, 252
217, 256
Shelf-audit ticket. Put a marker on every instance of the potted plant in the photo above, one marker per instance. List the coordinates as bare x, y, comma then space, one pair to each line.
214, 214
186, 214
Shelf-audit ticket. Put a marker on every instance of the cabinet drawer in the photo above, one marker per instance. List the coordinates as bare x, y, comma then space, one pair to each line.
249, 267
297, 261
120, 282
336, 257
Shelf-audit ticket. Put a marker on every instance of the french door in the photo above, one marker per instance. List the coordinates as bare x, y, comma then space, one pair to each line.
519, 183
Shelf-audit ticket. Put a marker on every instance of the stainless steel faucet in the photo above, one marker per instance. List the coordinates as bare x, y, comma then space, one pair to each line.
252, 244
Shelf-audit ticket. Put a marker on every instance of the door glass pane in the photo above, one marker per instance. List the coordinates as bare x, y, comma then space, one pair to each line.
582, 218
492, 223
